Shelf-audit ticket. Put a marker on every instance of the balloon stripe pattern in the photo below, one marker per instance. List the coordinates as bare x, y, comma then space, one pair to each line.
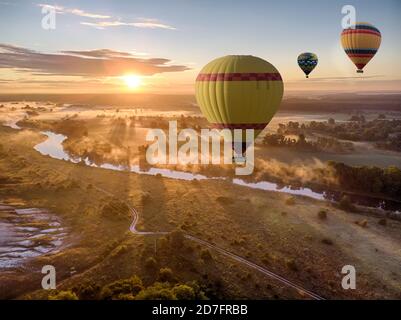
307, 62
361, 42
239, 77
239, 92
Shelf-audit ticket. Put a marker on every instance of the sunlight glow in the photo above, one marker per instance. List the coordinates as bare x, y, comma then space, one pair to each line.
132, 81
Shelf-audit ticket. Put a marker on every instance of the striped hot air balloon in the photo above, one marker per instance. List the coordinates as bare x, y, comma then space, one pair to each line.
307, 61
361, 43
239, 92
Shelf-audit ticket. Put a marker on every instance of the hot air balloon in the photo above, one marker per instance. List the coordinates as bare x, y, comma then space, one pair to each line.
361, 43
239, 92
307, 61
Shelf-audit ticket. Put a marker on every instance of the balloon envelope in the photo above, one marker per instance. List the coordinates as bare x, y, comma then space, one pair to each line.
361, 43
307, 61
239, 92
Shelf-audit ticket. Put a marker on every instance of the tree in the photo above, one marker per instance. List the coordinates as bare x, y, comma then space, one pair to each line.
166, 275
346, 204
177, 239
63, 295
115, 289
184, 292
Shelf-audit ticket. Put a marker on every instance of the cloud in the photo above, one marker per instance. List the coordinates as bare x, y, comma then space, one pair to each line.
144, 23
76, 12
90, 63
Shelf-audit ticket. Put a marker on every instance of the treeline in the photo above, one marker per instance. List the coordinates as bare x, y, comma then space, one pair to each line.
369, 179
134, 289
386, 134
326, 144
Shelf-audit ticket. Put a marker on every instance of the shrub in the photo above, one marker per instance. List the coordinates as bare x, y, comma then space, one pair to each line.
291, 265
346, 204
177, 239
363, 223
151, 263
322, 214
158, 291
87, 291
327, 241
290, 201
206, 255
383, 222
145, 197
166, 275
63, 295
115, 289
184, 292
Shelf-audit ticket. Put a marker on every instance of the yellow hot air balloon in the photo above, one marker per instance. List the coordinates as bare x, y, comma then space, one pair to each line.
239, 92
361, 43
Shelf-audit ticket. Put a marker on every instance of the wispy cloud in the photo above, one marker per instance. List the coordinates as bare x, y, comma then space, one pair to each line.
143, 23
90, 63
76, 12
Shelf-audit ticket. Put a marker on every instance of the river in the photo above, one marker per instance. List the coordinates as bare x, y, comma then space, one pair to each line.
53, 147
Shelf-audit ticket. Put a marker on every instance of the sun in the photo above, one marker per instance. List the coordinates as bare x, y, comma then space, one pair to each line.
132, 81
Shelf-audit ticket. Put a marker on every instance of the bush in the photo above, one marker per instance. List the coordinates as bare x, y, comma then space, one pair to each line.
176, 239
184, 292
346, 204
363, 223
131, 286
166, 275
290, 201
322, 214
327, 241
383, 222
63, 295
206, 255
87, 291
291, 265
158, 291
151, 263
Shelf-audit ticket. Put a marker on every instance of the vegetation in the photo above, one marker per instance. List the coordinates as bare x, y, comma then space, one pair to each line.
368, 179
385, 133
322, 214
63, 295
300, 143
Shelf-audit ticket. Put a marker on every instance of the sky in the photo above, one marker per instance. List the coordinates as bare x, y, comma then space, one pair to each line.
160, 46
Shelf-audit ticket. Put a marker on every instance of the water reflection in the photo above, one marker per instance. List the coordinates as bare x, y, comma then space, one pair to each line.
53, 147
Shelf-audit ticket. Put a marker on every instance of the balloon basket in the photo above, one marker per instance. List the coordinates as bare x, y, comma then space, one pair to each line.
359, 71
